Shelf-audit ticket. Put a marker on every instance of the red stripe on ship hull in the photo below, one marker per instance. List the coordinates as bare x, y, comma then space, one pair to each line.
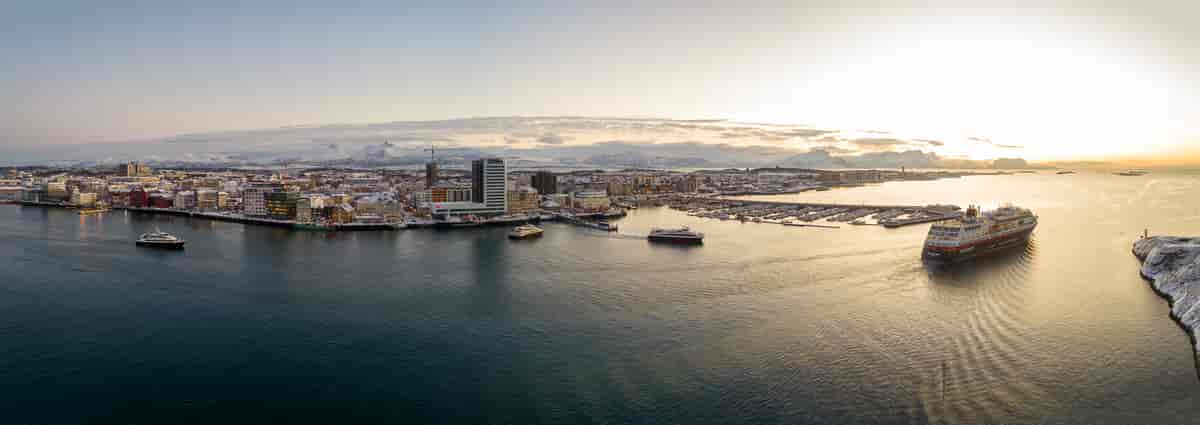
957, 249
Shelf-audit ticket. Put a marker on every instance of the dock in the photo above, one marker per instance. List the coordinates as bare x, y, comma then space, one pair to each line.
578, 220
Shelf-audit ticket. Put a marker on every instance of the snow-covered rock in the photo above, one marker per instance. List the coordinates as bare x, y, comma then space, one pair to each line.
1173, 266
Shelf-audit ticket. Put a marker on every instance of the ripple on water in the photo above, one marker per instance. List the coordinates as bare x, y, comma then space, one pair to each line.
981, 377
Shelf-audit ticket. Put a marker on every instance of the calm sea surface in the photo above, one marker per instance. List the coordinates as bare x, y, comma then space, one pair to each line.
762, 324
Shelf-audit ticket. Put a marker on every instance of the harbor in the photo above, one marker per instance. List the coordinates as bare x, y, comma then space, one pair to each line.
594, 220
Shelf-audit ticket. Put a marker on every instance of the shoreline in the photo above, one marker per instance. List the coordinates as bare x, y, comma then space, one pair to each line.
1170, 265
298, 226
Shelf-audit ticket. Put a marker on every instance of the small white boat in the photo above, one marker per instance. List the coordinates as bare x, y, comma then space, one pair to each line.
525, 231
160, 239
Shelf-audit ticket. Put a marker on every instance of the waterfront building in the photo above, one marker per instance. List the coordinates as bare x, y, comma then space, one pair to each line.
489, 194
281, 205
57, 191
185, 200
33, 194
161, 200
342, 213
206, 200
340, 198
222, 200
431, 174
139, 198
619, 188
523, 199
304, 210
489, 178
119, 197
254, 198
556, 201
369, 205
545, 182
448, 193
10, 193
83, 199
591, 201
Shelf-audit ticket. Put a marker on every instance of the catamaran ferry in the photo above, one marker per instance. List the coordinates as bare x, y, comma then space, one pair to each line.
975, 234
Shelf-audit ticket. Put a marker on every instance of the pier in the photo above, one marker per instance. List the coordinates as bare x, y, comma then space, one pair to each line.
579, 221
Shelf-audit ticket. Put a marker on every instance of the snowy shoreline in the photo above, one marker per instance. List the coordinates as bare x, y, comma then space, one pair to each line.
1172, 264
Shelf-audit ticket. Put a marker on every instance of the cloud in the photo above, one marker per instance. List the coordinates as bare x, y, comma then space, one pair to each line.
551, 139
988, 141
835, 149
771, 135
565, 139
878, 142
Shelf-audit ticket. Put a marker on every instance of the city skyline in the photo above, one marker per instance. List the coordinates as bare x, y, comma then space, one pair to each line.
1071, 81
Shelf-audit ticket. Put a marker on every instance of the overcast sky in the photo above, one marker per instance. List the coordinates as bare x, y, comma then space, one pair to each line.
1075, 79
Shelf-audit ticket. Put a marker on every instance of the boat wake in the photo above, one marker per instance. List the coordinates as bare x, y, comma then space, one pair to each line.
977, 376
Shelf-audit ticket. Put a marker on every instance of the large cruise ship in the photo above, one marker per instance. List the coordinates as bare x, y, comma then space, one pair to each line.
975, 233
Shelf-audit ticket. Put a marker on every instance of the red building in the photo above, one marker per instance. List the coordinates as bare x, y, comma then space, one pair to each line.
161, 201
138, 198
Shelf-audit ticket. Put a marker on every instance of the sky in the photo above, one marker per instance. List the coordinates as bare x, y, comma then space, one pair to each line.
1044, 80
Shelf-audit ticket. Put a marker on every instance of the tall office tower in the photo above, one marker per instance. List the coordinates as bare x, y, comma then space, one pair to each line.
488, 183
431, 174
545, 182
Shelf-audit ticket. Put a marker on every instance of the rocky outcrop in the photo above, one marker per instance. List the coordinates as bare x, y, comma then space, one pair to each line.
1173, 266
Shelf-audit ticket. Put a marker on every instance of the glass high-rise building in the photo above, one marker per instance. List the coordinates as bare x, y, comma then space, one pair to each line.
489, 177
545, 182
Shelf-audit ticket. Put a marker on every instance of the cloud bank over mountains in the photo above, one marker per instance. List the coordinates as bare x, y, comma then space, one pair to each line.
547, 141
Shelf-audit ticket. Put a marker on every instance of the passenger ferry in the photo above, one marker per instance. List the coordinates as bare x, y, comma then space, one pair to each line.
160, 239
525, 231
679, 235
975, 234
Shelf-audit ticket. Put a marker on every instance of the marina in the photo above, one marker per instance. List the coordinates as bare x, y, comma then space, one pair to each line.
819, 215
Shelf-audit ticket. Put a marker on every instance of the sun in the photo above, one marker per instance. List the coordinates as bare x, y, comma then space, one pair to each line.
1053, 99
